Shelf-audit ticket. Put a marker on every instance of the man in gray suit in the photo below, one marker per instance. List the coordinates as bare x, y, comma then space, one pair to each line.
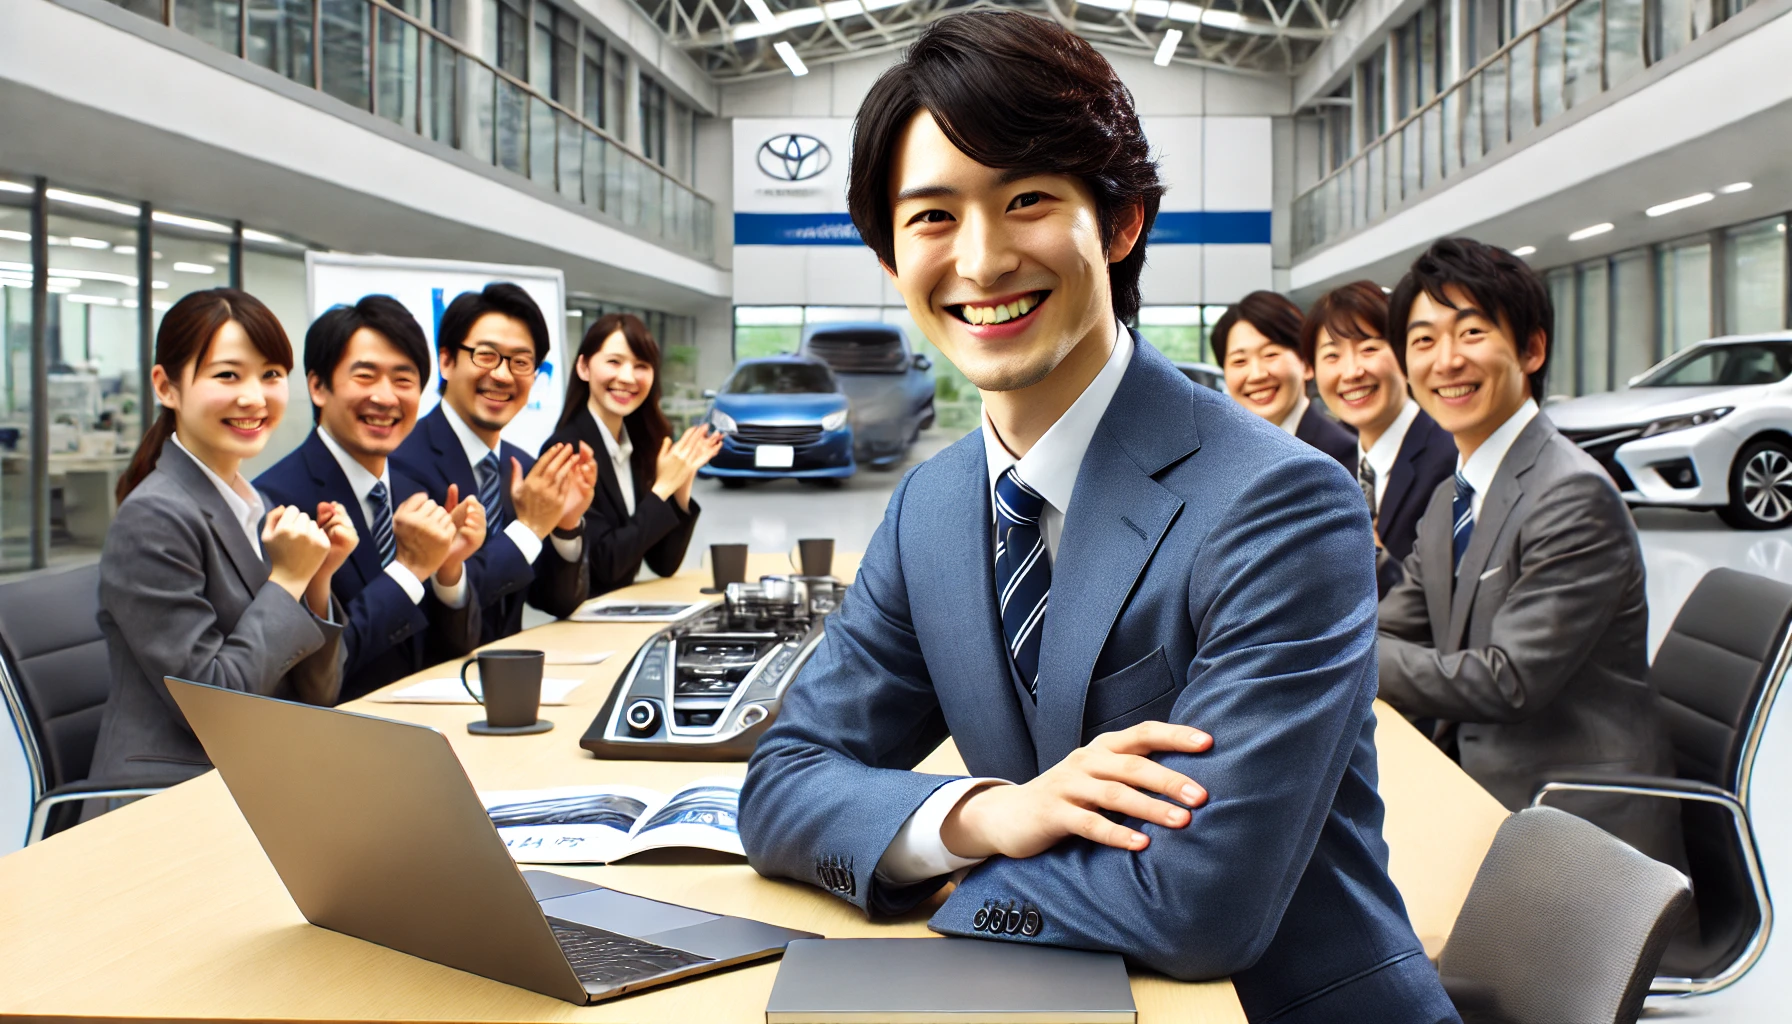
1521, 627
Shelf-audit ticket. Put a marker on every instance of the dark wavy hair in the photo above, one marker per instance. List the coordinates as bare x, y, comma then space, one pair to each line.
646, 426
185, 339
1497, 282
1273, 315
1016, 93
327, 339
1357, 311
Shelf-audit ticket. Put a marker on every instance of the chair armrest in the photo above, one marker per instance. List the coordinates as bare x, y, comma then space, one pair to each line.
85, 789
1642, 785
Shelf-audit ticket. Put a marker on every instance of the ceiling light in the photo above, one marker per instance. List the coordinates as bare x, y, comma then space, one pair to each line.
194, 223
95, 202
1167, 48
14, 186
791, 60
798, 17
1585, 233
16, 236
125, 250
92, 300
1679, 204
160, 286
130, 303
195, 268
1741, 186
64, 284
762, 12
1525, 250
88, 243
252, 235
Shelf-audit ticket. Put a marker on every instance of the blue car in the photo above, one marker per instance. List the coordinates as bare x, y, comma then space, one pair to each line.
890, 386
783, 416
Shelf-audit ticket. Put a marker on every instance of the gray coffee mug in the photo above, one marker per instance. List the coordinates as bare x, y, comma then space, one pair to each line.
815, 556
510, 682
728, 562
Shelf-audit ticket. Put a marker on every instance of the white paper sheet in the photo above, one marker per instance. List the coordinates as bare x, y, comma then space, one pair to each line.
613, 610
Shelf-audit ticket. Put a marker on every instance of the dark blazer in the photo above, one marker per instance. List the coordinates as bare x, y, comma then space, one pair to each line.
1538, 644
183, 594
386, 637
1427, 458
1322, 432
1223, 578
433, 457
616, 543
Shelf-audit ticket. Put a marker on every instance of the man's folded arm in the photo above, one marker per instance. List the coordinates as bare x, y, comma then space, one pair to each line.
1573, 566
829, 785
1282, 596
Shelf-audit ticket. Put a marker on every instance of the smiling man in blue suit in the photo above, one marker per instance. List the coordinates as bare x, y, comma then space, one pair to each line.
1146, 616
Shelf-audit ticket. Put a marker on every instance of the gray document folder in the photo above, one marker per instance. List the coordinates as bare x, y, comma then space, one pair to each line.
947, 981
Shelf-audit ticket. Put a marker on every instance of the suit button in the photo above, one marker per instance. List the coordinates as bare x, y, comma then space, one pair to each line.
980, 919
1012, 925
1030, 923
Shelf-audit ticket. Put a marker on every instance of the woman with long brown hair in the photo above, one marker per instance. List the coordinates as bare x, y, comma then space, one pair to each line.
643, 510
193, 582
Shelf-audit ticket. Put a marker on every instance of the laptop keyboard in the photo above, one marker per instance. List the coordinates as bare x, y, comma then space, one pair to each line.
606, 960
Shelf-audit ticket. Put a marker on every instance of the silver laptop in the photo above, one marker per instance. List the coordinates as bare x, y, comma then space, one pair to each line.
377, 833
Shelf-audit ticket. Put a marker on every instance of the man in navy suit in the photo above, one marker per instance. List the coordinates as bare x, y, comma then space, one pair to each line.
488, 346
1402, 453
1257, 342
365, 365
1146, 617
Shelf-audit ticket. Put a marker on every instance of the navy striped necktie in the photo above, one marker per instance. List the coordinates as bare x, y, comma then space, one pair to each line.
382, 523
490, 495
1462, 511
1023, 573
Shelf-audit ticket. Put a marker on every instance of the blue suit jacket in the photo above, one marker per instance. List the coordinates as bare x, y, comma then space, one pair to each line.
1212, 571
386, 637
433, 456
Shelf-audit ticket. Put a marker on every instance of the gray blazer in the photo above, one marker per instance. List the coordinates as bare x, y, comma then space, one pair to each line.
1537, 647
183, 594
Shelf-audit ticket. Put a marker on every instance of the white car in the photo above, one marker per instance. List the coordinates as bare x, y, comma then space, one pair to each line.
1709, 427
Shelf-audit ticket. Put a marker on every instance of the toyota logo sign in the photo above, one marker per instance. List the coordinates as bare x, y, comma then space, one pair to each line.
793, 157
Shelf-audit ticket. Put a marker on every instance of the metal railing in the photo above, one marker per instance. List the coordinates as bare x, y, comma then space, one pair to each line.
1581, 50
372, 55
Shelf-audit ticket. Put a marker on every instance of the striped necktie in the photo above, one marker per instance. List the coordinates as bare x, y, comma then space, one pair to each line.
1462, 511
382, 523
1023, 573
490, 492
1365, 477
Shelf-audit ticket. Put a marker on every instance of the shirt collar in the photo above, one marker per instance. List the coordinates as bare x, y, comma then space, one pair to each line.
619, 450
248, 511
1386, 449
359, 479
472, 443
1292, 423
1480, 468
1051, 465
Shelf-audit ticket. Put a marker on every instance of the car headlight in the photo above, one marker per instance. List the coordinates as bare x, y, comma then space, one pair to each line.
834, 420
722, 421
1697, 419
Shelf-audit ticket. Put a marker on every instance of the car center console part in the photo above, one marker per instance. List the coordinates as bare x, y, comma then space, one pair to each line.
707, 688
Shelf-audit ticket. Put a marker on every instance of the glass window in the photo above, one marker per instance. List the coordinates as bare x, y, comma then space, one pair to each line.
1593, 328
212, 21
1684, 287
592, 100
653, 120
1755, 277
279, 37
1562, 378
616, 122
1586, 35
1633, 319
276, 276
766, 330
15, 378
1623, 40
792, 378
345, 29
1725, 366
1375, 95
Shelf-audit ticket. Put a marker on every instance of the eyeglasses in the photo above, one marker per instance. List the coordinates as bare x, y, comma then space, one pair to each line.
488, 359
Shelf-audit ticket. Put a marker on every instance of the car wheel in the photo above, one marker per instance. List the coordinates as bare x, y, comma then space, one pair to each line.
1760, 487
733, 483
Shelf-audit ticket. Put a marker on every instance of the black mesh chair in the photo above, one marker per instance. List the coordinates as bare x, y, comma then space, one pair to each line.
55, 676
1716, 674
1565, 922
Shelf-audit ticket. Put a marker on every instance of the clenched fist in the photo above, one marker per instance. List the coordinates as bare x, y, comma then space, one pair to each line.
422, 534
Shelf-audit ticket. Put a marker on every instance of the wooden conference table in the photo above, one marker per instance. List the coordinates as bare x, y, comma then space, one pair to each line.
167, 908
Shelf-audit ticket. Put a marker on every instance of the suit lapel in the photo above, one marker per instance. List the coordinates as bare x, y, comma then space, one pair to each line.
1118, 515
1434, 548
450, 456
1502, 495
1400, 476
332, 485
249, 566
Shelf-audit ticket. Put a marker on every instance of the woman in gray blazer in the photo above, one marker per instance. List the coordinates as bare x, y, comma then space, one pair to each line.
193, 582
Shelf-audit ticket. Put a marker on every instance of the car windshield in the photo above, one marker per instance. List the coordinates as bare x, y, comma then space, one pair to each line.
1756, 362
781, 379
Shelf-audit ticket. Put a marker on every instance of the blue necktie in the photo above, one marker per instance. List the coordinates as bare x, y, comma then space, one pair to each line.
1023, 573
382, 523
491, 494
1463, 511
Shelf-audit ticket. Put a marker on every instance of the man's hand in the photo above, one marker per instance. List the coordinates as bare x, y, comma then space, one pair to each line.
468, 517
580, 487
333, 520
422, 533
1112, 773
540, 497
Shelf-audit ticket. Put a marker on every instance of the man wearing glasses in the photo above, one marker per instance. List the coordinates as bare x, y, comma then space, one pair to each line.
488, 346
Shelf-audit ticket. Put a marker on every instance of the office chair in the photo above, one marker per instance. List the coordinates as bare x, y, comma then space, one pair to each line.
1565, 922
55, 677
1716, 675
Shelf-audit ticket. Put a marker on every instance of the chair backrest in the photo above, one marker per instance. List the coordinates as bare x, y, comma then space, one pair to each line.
57, 656
1711, 667
1565, 922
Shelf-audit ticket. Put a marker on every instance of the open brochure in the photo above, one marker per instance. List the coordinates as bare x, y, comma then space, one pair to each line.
613, 609
600, 824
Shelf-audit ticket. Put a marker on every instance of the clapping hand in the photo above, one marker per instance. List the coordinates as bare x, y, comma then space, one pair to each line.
296, 547
540, 498
333, 520
680, 460
468, 517
422, 532
579, 486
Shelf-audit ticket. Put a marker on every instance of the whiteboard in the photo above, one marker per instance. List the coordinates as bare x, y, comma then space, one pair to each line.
426, 287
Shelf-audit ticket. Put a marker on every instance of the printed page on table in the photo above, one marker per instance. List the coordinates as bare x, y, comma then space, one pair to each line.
569, 824
704, 814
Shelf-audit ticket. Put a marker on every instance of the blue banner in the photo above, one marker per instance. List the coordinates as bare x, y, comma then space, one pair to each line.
795, 229
1186, 227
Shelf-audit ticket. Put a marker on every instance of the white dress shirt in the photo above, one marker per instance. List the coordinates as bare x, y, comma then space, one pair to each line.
1482, 466
1291, 422
361, 482
249, 512
1386, 450
1049, 467
620, 453
519, 534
